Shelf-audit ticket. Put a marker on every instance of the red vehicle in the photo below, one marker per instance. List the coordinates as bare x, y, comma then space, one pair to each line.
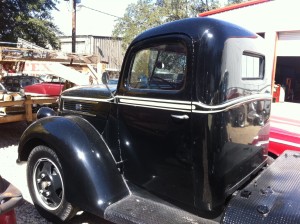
52, 87
284, 135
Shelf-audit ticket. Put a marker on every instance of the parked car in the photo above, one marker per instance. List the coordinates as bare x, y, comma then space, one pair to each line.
3, 79
2, 91
10, 197
52, 87
8, 96
17, 82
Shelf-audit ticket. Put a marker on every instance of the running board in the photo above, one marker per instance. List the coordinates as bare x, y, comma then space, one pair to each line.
135, 209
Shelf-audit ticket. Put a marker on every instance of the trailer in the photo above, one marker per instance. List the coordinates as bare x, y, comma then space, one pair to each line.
76, 68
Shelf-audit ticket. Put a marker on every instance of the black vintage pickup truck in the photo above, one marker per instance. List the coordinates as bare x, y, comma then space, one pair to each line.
182, 138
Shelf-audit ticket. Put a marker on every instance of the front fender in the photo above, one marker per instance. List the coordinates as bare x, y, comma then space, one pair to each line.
92, 179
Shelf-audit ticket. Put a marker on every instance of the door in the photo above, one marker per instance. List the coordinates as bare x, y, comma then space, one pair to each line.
288, 44
154, 109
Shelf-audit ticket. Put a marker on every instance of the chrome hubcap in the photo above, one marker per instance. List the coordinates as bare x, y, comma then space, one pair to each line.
48, 184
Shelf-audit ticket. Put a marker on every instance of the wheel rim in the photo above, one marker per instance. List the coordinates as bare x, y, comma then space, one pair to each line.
48, 184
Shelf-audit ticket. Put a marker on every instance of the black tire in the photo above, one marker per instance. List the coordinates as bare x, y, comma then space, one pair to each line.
46, 185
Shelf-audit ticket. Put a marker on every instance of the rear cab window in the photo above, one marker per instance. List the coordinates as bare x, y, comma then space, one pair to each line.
252, 66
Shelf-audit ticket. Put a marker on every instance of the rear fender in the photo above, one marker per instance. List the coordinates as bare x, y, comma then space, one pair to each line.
92, 179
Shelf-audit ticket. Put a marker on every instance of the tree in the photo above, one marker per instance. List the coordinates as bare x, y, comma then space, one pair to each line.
30, 20
231, 2
146, 14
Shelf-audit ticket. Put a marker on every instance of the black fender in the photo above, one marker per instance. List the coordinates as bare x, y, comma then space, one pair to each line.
92, 179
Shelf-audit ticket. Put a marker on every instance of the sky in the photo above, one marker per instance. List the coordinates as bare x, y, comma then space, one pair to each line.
90, 22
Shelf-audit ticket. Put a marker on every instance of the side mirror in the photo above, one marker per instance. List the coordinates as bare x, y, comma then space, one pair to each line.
104, 77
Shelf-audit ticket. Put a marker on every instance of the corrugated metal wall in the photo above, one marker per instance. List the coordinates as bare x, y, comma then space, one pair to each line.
108, 49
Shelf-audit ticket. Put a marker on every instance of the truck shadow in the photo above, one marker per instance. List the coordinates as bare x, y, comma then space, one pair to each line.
10, 133
26, 213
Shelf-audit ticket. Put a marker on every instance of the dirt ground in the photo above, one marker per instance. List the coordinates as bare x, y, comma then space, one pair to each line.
10, 134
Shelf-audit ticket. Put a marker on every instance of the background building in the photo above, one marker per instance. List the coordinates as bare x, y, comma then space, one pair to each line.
108, 49
278, 22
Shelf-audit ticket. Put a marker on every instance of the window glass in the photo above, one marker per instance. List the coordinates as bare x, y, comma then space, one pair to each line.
16, 83
159, 67
25, 82
252, 66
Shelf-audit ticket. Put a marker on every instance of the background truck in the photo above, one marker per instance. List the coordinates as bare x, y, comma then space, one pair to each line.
182, 138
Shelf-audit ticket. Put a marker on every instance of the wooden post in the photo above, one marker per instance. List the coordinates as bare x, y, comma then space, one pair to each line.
28, 109
74, 27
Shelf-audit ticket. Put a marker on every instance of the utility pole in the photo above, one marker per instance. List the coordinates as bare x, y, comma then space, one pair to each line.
74, 26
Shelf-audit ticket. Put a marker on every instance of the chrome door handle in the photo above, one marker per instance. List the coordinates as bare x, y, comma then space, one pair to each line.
180, 117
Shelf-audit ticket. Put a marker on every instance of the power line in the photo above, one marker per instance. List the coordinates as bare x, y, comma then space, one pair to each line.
80, 6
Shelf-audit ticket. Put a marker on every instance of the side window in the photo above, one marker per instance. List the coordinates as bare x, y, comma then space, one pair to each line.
25, 82
161, 66
9, 81
16, 83
252, 66
34, 81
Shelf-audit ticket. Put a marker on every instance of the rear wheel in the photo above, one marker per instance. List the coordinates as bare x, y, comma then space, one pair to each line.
46, 185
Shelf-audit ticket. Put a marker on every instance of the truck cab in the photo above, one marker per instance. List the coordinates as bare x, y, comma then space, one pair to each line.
185, 127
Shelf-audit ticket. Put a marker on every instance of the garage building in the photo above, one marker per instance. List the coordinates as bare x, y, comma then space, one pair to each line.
278, 22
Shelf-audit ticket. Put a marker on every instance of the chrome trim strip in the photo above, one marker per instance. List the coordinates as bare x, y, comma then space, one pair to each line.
86, 99
79, 112
175, 105
196, 107
244, 99
161, 108
260, 143
230, 104
153, 99
156, 104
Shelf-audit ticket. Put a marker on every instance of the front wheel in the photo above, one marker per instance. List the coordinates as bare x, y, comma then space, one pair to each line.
46, 185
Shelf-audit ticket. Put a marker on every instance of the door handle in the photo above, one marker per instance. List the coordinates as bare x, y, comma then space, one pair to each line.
180, 117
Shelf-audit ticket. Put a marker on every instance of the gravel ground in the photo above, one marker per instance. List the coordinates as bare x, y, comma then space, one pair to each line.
15, 174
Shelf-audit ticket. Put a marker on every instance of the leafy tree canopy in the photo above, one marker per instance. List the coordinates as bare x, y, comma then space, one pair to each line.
230, 2
146, 14
30, 20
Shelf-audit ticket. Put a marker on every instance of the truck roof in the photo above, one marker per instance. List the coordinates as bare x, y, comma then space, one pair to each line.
196, 28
